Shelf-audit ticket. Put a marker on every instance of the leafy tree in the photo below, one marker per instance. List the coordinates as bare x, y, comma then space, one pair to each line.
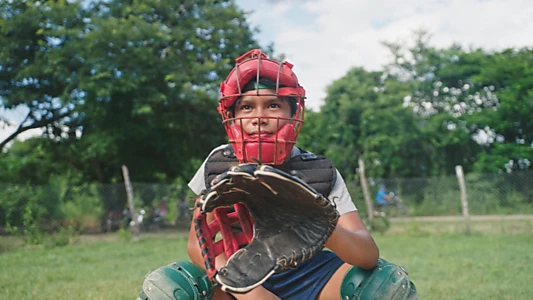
122, 82
363, 115
443, 95
428, 111
509, 126
477, 104
32, 161
36, 66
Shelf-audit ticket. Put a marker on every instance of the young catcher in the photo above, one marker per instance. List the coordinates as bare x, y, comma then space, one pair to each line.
276, 207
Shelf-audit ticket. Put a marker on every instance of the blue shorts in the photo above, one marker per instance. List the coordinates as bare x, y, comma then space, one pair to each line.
306, 281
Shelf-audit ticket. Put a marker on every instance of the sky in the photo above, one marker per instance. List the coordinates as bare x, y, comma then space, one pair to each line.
325, 38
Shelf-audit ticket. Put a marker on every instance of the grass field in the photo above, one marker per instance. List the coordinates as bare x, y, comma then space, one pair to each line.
493, 262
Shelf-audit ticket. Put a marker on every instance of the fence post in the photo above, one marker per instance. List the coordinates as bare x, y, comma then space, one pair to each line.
129, 192
464, 200
366, 193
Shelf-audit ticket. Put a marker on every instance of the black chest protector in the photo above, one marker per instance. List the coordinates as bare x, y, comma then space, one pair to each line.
316, 170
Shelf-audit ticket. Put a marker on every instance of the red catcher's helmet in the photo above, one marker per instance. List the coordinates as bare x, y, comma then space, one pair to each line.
255, 65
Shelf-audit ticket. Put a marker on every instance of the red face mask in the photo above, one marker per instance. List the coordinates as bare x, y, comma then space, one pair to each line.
271, 148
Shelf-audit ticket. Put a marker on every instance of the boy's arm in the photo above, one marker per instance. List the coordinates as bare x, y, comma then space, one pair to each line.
352, 242
193, 248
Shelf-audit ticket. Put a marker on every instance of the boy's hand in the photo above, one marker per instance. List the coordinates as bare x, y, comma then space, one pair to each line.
291, 223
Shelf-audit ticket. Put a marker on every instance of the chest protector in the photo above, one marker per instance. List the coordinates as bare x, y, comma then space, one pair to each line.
316, 170
235, 224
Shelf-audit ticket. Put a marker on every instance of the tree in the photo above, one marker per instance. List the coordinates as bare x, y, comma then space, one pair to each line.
32, 161
428, 111
509, 126
133, 82
363, 115
443, 95
36, 67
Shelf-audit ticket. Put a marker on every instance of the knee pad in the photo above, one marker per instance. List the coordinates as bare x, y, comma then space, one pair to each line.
179, 280
385, 281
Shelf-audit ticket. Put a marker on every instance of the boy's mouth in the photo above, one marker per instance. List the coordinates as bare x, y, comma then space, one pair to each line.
263, 135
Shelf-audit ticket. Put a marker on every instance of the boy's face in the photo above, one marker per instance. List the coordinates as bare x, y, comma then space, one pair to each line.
267, 106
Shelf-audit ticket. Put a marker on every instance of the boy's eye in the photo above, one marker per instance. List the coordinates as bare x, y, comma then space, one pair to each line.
246, 107
274, 105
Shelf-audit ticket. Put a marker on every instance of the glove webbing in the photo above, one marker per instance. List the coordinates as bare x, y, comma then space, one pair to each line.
231, 242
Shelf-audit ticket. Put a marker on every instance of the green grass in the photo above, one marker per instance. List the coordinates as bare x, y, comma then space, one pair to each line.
110, 269
493, 262
461, 267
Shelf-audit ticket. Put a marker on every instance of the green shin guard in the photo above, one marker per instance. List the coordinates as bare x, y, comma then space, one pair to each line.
180, 280
386, 281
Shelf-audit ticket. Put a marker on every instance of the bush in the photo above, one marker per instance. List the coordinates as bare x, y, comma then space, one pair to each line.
82, 208
25, 205
61, 238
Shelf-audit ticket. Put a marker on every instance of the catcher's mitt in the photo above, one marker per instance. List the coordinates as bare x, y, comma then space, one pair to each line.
291, 223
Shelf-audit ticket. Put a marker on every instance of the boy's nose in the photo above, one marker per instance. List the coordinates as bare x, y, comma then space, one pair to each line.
259, 117
260, 120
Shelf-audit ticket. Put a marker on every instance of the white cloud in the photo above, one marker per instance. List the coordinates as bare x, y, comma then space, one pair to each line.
325, 38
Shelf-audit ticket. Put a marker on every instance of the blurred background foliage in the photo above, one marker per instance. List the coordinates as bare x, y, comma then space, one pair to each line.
135, 83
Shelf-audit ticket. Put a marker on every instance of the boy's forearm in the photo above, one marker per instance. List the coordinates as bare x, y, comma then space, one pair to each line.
194, 251
354, 247
193, 248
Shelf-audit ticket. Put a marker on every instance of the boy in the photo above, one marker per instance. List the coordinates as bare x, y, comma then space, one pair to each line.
254, 118
262, 109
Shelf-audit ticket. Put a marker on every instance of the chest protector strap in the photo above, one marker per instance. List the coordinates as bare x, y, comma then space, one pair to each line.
316, 170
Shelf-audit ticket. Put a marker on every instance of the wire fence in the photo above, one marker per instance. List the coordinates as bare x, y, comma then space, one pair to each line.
91, 207
497, 194
102, 207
